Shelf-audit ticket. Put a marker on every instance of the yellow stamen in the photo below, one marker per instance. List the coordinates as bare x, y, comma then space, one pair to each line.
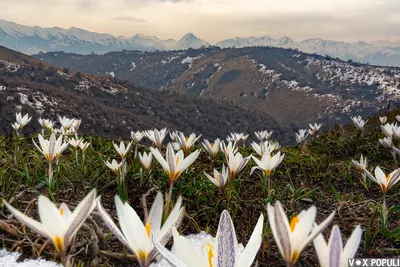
384, 188
295, 257
148, 228
176, 161
210, 255
61, 211
293, 223
142, 255
217, 177
59, 243
388, 178
187, 139
212, 145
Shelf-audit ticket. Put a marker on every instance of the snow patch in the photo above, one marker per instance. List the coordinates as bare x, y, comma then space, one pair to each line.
198, 241
8, 259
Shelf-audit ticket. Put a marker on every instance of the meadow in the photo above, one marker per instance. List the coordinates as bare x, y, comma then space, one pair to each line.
318, 172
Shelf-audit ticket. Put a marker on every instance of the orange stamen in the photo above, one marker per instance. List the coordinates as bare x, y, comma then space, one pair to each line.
148, 228
293, 223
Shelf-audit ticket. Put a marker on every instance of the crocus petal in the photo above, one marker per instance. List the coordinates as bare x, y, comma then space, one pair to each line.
252, 247
81, 212
395, 177
280, 228
50, 217
110, 224
351, 246
168, 256
155, 214
317, 230
321, 247
227, 243
174, 220
335, 247
156, 153
31, 223
187, 253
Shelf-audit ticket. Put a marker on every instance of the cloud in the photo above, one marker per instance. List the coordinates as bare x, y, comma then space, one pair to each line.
128, 18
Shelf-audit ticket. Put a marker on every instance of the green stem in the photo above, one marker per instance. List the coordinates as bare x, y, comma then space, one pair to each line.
76, 157
50, 174
168, 200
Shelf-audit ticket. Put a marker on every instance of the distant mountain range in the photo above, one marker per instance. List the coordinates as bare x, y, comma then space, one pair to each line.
32, 40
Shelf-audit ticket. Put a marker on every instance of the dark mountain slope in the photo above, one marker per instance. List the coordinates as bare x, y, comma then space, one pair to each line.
111, 107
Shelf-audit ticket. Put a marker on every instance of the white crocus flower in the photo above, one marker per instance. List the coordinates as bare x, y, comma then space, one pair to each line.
146, 159
314, 128
332, 254
219, 179
22, 120
266, 147
236, 163
122, 150
65, 123
57, 224
135, 234
51, 148
114, 165
388, 129
386, 142
236, 137
186, 143
293, 237
359, 122
157, 136
84, 145
385, 181
268, 163
226, 149
174, 135
16, 126
395, 131
263, 135
222, 252
383, 119
361, 166
212, 148
137, 136
301, 136
75, 143
174, 164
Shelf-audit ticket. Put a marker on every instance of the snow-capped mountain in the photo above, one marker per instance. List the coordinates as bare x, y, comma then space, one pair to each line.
359, 51
32, 40
191, 41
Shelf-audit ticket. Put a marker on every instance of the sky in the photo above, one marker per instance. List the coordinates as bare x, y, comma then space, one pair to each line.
375, 21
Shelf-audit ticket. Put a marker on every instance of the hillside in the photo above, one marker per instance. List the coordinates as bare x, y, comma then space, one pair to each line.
110, 107
309, 87
318, 174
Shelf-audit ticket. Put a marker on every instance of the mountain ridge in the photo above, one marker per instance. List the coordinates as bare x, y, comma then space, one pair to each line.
32, 40
312, 88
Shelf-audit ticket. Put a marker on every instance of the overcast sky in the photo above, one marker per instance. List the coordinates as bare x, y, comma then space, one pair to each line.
214, 20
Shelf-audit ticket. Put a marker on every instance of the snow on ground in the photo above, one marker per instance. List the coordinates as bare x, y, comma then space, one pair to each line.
8, 259
9, 66
189, 60
197, 240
